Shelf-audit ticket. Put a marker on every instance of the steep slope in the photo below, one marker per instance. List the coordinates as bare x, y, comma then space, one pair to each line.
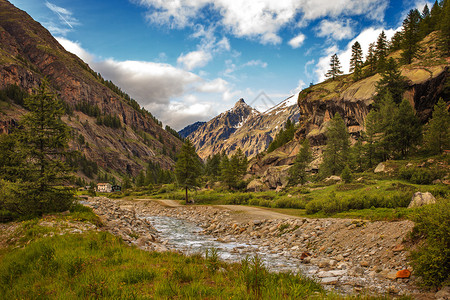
186, 131
251, 131
28, 53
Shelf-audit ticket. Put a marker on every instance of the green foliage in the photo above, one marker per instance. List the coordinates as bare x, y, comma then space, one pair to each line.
437, 132
36, 161
419, 175
444, 27
99, 265
431, 261
233, 169
89, 109
112, 121
336, 153
381, 51
212, 166
356, 61
173, 132
335, 67
284, 136
346, 174
391, 83
188, 167
15, 93
156, 175
297, 173
410, 36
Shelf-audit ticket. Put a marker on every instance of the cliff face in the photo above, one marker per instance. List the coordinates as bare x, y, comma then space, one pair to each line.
243, 127
28, 53
186, 131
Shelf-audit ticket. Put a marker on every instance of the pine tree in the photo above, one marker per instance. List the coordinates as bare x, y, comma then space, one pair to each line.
381, 51
371, 60
391, 82
297, 173
212, 168
41, 151
444, 36
435, 16
410, 33
437, 134
188, 167
396, 41
424, 25
371, 138
228, 175
356, 61
335, 67
406, 130
336, 153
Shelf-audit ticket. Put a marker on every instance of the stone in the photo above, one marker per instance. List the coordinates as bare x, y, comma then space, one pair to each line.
380, 168
420, 199
398, 248
403, 274
391, 275
443, 294
330, 280
364, 263
333, 178
257, 185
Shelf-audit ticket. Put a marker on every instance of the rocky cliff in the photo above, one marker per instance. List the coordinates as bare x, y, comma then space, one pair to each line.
243, 127
28, 53
186, 131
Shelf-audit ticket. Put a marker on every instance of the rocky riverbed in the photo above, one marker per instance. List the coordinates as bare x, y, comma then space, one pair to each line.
348, 255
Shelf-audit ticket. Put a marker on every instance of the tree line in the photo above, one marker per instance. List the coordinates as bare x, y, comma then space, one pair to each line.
415, 27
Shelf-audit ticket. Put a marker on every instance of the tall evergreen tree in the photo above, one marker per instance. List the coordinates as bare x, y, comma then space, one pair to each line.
410, 33
336, 153
391, 82
335, 67
437, 133
297, 173
212, 168
187, 168
356, 61
424, 25
435, 16
444, 38
381, 51
406, 130
41, 148
396, 41
371, 60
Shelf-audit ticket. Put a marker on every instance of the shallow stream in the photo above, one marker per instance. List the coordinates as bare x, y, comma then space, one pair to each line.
188, 238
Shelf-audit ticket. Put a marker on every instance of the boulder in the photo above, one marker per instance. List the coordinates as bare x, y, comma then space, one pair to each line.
256, 185
421, 199
333, 178
380, 168
276, 176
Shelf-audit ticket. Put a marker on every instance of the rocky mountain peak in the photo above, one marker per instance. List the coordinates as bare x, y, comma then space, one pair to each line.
240, 102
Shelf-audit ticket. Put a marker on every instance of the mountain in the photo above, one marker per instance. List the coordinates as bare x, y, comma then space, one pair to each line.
186, 131
28, 53
243, 127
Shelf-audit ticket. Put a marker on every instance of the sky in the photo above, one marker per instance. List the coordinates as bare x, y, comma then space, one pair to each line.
190, 60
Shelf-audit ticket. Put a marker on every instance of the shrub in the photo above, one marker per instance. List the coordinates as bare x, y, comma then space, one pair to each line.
431, 261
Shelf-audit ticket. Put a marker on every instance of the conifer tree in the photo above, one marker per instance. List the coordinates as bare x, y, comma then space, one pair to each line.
437, 133
396, 41
336, 153
435, 16
356, 61
187, 168
370, 137
228, 176
381, 51
410, 33
335, 67
371, 60
424, 25
41, 150
444, 38
297, 173
391, 82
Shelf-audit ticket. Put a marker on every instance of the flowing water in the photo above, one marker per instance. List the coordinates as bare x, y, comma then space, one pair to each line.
188, 238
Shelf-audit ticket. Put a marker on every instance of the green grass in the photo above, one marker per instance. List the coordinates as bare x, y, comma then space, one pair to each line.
98, 265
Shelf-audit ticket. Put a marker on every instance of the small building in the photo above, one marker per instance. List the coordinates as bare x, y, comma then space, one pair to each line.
104, 188
116, 188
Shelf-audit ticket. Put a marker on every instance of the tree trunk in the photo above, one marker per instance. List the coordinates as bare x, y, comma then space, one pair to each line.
187, 200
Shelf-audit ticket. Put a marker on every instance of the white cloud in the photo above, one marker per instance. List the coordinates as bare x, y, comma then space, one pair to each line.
66, 18
261, 20
255, 63
194, 59
217, 85
366, 37
337, 30
300, 86
297, 41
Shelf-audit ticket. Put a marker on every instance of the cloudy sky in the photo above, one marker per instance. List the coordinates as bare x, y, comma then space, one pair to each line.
189, 60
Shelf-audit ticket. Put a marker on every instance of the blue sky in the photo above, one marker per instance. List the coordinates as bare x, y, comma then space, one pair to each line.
189, 60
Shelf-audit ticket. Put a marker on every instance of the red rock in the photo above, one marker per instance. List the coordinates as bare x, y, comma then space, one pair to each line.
403, 273
398, 248
304, 255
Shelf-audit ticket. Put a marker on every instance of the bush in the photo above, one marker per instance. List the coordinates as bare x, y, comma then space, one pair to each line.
431, 261
419, 175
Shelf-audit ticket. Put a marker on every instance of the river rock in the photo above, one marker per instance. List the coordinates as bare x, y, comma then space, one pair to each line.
421, 199
443, 294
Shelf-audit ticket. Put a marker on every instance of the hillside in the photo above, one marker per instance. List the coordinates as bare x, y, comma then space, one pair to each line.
243, 127
186, 131
28, 53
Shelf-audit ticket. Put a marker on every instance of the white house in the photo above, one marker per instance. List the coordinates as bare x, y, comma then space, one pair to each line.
104, 188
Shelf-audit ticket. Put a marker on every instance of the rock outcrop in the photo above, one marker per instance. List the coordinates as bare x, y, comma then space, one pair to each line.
28, 53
